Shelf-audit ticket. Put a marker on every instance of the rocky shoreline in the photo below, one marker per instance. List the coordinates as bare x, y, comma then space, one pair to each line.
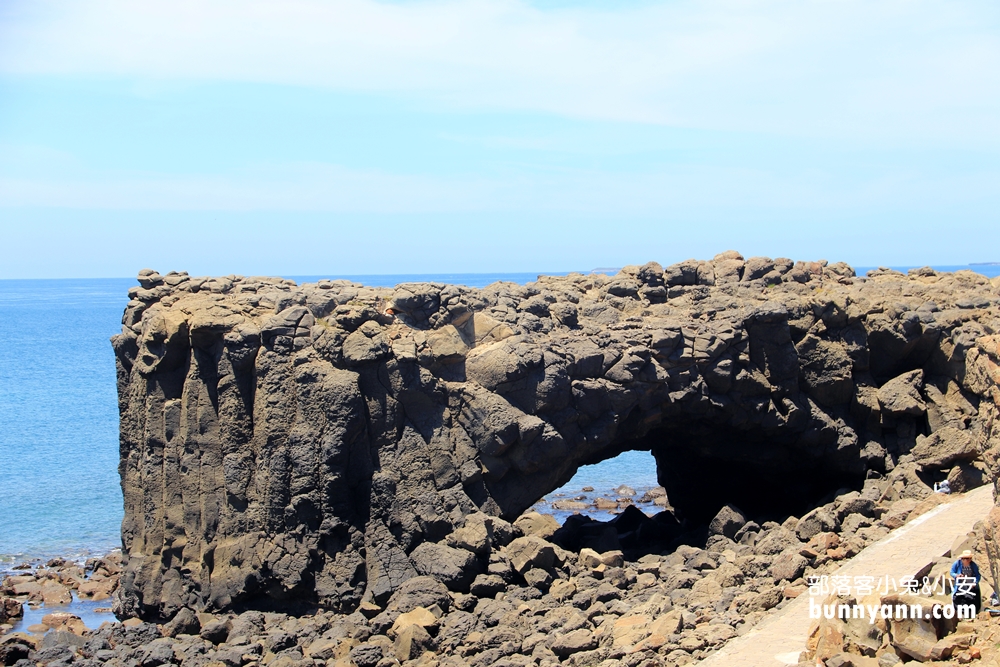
538, 603
334, 474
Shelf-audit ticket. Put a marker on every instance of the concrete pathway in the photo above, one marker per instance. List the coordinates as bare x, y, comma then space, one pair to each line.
780, 638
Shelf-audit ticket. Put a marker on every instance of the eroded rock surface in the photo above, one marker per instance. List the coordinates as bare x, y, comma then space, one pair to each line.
289, 446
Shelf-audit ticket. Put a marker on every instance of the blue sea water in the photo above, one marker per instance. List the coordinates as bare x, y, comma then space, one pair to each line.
59, 489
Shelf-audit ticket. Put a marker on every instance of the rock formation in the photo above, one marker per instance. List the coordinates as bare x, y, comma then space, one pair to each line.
288, 446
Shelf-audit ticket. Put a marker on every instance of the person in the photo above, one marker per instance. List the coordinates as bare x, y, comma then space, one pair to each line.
965, 580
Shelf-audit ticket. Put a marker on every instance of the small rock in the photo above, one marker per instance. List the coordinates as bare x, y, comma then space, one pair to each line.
817, 521
562, 589
216, 631
538, 578
840, 660
419, 616
573, 642
487, 585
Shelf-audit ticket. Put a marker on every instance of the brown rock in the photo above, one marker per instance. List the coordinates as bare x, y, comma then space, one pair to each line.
185, 622
944, 448
97, 589
411, 642
823, 541
947, 646
537, 525
56, 594
629, 630
528, 552
965, 477
419, 616
573, 642
901, 395
914, 637
788, 567
64, 621
10, 609
793, 591
562, 590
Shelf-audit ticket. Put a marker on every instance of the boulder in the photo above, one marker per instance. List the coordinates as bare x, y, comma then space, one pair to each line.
530, 552
412, 642
945, 647
455, 568
727, 522
185, 622
216, 630
965, 477
419, 616
475, 536
576, 641
64, 621
944, 448
914, 637
487, 585
537, 525
819, 520
10, 609
901, 395
788, 567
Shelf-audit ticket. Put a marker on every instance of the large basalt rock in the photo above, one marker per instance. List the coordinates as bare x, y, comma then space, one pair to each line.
287, 446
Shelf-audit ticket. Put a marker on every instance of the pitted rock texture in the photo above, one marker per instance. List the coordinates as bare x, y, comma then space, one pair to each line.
288, 446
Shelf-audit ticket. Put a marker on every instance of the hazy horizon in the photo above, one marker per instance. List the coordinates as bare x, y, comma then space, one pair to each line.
987, 268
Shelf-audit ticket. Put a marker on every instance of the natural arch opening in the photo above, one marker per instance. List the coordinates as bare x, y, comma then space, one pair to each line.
698, 468
601, 490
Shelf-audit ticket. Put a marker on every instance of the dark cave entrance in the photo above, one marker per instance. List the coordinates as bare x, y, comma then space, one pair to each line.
704, 467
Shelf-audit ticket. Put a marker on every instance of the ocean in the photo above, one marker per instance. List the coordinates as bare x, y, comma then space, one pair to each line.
59, 488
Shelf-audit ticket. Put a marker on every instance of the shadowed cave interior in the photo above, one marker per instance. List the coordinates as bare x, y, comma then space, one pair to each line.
704, 467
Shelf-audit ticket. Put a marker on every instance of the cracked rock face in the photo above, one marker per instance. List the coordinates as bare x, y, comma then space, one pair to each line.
287, 446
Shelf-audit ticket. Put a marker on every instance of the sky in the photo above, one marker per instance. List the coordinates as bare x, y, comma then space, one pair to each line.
338, 137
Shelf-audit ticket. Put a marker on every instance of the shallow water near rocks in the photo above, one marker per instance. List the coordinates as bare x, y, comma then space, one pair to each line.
637, 469
88, 611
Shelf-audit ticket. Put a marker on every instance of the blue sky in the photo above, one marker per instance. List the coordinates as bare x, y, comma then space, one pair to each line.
316, 137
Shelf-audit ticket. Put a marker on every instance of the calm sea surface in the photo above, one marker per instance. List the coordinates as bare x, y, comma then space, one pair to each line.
59, 490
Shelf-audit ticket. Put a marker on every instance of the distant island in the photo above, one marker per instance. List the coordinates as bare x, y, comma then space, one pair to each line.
984, 263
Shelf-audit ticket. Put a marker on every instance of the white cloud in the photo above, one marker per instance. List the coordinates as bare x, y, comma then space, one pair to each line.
896, 70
